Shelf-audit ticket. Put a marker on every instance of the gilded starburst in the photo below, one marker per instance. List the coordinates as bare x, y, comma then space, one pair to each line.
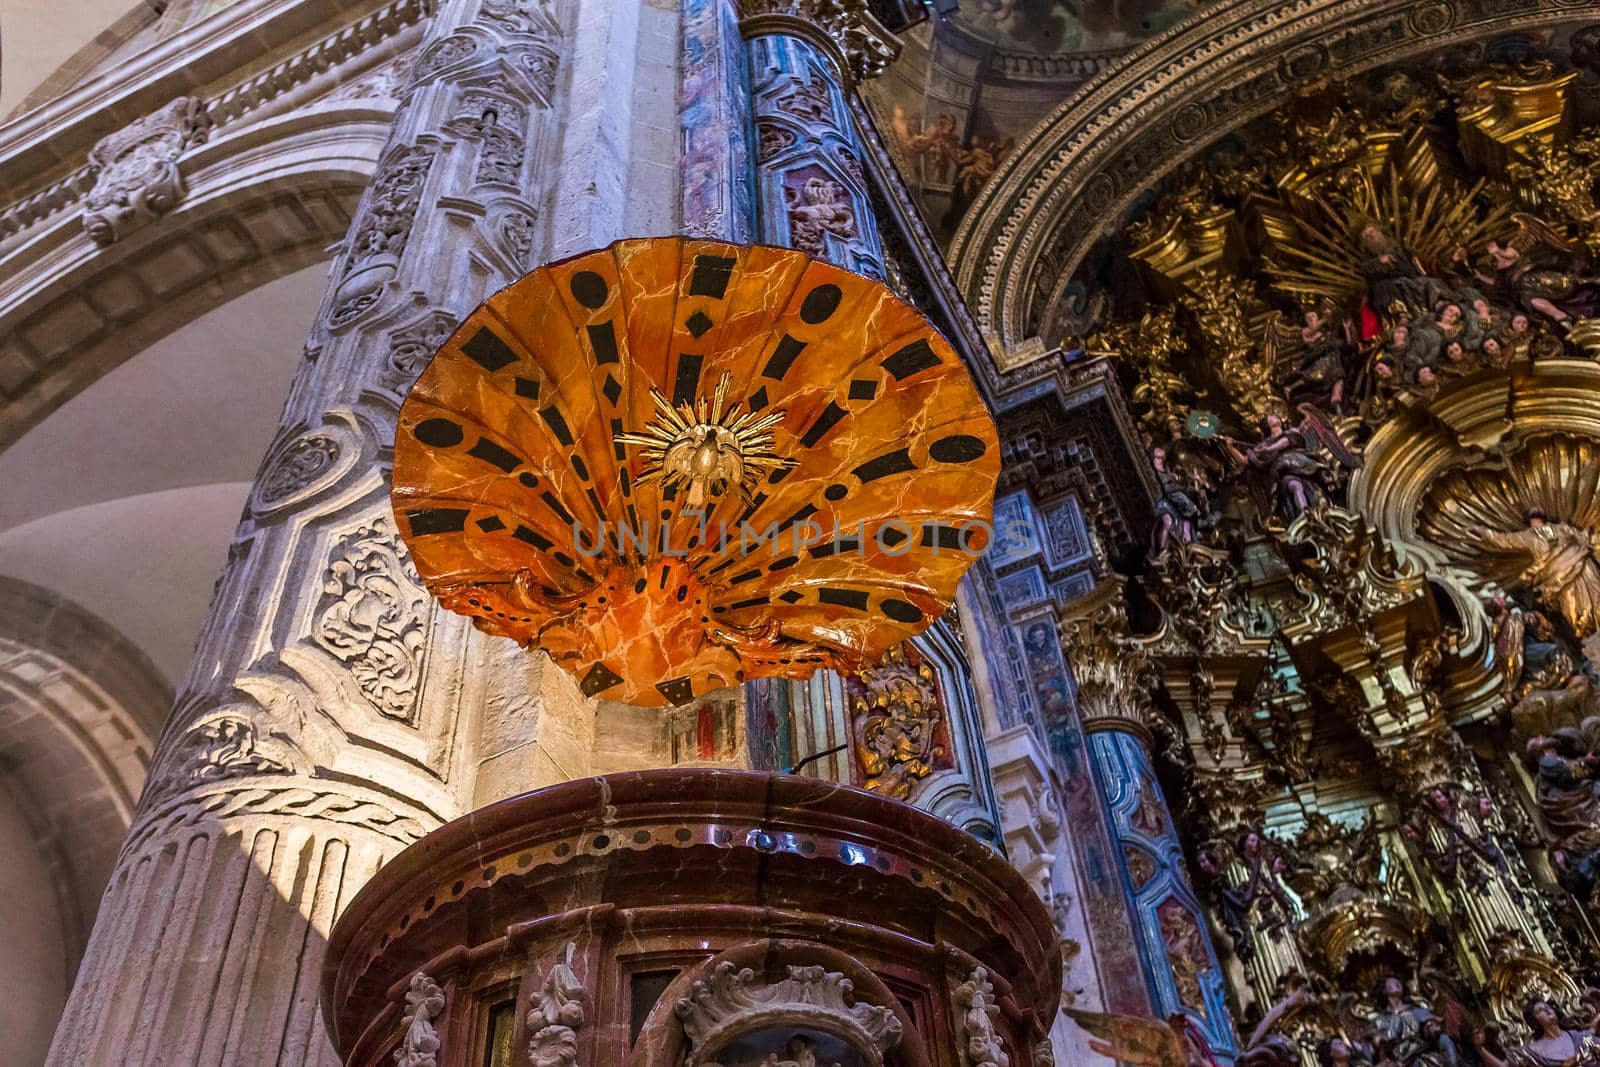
708, 446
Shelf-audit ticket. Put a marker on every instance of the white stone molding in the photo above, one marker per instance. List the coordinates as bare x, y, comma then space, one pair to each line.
731, 1001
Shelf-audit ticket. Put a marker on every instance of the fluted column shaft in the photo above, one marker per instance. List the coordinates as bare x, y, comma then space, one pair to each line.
326, 721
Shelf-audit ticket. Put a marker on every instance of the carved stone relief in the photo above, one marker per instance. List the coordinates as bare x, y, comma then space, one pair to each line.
380, 239
412, 346
136, 169
556, 1015
730, 1002
420, 1045
818, 207
373, 616
977, 1010
216, 748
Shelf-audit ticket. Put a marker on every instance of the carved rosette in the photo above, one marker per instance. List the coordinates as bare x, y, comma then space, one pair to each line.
733, 1001
136, 170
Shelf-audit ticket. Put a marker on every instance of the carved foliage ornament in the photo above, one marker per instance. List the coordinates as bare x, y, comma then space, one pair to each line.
732, 1001
217, 748
380, 237
419, 1046
556, 1015
136, 169
977, 1010
373, 616
305, 462
844, 26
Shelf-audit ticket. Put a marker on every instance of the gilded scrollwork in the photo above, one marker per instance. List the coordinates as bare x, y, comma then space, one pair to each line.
897, 721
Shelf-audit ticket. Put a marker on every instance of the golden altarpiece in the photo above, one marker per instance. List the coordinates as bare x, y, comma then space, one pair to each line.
1362, 355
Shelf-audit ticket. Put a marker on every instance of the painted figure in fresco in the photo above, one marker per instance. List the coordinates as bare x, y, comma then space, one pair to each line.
1567, 793
1552, 1045
1561, 568
1408, 1033
1467, 855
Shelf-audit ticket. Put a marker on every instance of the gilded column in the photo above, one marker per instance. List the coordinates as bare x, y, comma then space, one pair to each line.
1114, 675
328, 717
811, 193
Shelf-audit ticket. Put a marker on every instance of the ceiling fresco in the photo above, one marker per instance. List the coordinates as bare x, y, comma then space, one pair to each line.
969, 85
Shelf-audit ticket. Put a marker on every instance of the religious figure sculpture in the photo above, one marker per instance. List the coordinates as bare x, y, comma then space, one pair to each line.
1467, 854
1527, 651
1289, 464
1552, 1044
1562, 568
1259, 902
1408, 1033
1567, 793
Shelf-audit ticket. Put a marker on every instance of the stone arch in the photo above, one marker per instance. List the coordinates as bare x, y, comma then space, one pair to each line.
80, 707
263, 200
1085, 164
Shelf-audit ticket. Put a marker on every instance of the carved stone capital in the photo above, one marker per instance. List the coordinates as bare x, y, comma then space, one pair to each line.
845, 29
1113, 670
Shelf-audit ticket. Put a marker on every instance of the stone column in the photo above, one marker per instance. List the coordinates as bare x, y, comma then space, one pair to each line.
811, 192
1114, 675
331, 713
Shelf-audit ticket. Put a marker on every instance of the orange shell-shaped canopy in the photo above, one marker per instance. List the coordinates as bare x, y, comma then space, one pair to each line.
677, 464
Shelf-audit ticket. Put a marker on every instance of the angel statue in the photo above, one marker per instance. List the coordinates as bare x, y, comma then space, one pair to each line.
1527, 651
1541, 270
1551, 1044
1562, 565
1140, 1041
1289, 462
1567, 791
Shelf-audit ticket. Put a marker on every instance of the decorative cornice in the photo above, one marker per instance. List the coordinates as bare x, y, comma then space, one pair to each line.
74, 122
1122, 132
846, 30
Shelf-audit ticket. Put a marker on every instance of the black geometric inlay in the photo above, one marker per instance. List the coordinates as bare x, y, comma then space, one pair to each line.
528, 478
758, 399
528, 387
760, 498
890, 536
778, 475
612, 389
492, 453
959, 448
913, 358
438, 433
833, 548
557, 423
882, 466
491, 524
711, 276
844, 598
753, 602
863, 389
901, 611
935, 535
488, 351
782, 357
790, 597
746, 576
826, 421
783, 564
836, 491
580, 468
604, 340
531, 537
427, 521
687, 382
556, 506
697, 324
598, 680
590, 289
820, 303
618, 447
677, 691
805, 512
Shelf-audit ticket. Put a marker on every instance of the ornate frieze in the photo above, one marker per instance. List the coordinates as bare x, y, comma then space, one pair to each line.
387, 216
136, 176
846, 29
